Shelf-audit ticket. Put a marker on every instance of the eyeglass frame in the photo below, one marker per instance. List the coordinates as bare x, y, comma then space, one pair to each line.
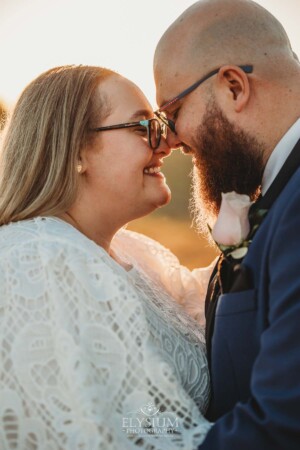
248, 68
144, 123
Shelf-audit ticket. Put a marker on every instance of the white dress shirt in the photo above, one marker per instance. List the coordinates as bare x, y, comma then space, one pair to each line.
279, 155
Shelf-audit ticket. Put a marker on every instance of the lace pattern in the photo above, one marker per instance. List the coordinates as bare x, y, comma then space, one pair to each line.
187, 288
85, 344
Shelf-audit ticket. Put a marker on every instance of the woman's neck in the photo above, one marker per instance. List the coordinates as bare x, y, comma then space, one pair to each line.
99, 236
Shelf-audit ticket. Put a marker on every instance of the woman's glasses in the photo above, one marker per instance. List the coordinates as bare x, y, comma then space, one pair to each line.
155, 129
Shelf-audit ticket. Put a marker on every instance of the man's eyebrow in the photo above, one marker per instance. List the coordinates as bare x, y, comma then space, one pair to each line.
141, 113
169, 104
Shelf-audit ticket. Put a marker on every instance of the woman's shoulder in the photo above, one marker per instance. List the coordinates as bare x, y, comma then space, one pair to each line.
47, 236
138, 246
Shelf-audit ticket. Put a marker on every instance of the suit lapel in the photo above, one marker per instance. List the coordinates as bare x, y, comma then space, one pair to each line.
289, 167
211, 298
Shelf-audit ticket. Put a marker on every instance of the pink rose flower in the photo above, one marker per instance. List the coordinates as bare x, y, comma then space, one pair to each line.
232, 225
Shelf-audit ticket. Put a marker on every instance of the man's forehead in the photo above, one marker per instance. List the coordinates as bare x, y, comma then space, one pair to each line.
170, 83
175, 68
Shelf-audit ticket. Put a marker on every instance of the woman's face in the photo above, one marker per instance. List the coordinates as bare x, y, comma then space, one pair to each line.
117, 163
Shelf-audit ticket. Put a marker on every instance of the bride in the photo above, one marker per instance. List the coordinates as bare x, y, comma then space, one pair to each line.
101, 329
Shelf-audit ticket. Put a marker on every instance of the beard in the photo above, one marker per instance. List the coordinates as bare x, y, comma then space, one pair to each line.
226, 159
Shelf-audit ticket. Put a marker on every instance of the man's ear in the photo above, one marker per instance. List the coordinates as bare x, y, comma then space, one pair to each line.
234, 83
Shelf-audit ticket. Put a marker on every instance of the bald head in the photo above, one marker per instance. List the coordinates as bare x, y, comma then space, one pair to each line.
229, 119
212, 33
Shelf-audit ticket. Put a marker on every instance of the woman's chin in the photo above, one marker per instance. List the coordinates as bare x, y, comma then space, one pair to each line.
167, 199
156, 203
164, 198
161, 203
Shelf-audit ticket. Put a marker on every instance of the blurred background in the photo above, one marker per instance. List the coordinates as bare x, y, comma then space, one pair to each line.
122, 35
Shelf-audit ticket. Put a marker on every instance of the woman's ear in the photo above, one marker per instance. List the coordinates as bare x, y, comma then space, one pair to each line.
234, 84
82, 163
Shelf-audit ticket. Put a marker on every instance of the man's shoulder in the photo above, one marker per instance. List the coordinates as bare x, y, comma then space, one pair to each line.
279, 223
291, 191
287, 203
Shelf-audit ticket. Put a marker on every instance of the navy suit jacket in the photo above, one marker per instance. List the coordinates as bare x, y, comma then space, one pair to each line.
255, 348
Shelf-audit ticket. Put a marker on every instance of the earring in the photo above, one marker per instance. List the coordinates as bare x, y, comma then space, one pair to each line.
79, 168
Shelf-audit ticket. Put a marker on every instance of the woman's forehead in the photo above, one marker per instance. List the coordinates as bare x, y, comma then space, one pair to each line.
124, 96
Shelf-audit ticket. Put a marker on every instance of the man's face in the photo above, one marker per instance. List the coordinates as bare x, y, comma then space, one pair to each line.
225, 159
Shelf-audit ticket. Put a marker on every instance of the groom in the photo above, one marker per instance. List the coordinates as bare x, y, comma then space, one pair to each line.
228, 85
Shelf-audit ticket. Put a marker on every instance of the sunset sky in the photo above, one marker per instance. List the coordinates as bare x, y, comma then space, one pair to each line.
38, 34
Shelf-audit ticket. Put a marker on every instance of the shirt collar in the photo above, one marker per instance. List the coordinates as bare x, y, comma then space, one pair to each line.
279, 155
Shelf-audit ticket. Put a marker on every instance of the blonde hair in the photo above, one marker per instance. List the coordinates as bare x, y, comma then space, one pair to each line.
3, 114
43, 139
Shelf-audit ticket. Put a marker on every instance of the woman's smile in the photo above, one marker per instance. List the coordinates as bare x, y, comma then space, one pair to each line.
154, 170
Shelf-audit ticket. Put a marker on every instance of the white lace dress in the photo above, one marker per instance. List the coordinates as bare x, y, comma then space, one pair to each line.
94, 356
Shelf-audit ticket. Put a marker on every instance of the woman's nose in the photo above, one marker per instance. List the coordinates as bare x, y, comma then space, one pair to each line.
163, 147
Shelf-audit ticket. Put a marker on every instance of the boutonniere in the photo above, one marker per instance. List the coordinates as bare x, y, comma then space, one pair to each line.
232, 231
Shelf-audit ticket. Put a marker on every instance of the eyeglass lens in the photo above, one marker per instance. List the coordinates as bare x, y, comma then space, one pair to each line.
154, 134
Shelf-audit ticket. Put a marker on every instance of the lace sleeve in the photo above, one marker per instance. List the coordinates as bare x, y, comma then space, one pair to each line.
187, 287
76, 362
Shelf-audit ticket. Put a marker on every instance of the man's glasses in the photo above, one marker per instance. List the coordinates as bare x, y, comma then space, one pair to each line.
155, 129
170, 123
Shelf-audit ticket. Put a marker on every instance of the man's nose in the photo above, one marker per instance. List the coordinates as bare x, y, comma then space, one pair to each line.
173, 141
